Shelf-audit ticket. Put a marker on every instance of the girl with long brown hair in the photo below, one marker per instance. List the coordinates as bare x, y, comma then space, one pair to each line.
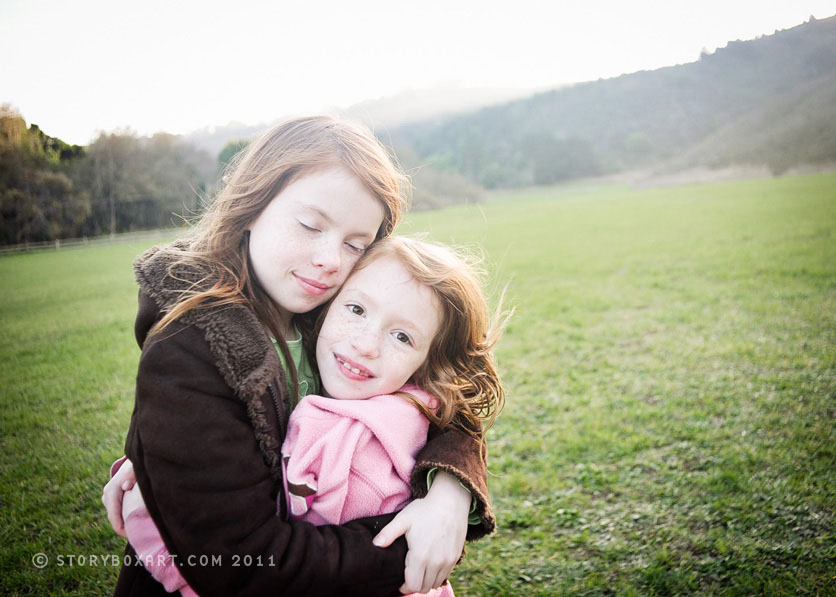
350, 452
222, 321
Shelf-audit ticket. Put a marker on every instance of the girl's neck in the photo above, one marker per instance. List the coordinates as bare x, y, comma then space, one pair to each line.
291, 335
285, 324
288, 330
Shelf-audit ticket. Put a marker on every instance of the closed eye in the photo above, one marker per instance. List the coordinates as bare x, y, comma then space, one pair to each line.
357, 249
307, 227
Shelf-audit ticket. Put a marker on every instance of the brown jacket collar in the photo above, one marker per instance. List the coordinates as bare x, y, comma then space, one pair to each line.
243, 351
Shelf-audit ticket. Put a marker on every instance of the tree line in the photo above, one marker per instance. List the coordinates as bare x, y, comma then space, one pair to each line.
120, 182
51, 190
770, 102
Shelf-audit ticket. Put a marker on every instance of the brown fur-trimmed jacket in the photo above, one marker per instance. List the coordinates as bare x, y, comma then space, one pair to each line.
209, 419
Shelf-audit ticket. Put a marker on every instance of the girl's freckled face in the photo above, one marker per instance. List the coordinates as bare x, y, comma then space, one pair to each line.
377, 332
306, 241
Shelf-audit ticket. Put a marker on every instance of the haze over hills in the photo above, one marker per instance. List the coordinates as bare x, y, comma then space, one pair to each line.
768, 102
432, 104
409, 106
766, 106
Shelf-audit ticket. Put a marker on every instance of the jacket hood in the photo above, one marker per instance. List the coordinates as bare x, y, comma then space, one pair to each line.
239, 342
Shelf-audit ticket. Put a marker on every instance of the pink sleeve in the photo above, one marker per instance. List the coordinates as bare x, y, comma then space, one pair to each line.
300, 473
317, 453
147, 542
444, 590
152, 552
117, 464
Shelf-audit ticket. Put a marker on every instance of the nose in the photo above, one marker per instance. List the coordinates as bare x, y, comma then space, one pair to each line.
327, 256
365, 342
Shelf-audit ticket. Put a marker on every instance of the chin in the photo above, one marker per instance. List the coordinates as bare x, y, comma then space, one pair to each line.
344, 395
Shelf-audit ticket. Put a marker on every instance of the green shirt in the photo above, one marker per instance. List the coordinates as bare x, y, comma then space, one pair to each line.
308, 382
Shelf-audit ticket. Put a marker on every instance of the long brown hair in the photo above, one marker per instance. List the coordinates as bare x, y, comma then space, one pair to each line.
219, 245
460, 370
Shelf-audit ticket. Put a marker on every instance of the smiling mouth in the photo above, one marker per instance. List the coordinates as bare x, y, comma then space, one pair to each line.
353, 367
312, 286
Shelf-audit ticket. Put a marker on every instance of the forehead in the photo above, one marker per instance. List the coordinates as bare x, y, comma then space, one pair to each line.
387, 281
336, 193
385, 271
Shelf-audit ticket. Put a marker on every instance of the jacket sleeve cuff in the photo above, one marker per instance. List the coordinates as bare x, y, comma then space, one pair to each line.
472, 516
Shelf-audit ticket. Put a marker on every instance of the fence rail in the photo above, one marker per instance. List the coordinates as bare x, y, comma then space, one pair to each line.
75, 243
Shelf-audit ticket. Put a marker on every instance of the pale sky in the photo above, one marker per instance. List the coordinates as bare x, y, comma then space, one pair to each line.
83, 66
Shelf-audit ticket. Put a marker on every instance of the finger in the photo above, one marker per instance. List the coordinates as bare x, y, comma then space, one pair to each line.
127, 475
114, 512
389, 533
116, 522
439, 580
413, 580
436, 574
444, 572
427, 582
432, 580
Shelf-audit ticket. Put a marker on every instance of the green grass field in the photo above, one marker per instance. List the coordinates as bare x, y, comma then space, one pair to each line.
670, 426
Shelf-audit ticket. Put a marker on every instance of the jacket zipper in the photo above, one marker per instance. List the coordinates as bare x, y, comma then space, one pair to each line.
279, 410
282, 431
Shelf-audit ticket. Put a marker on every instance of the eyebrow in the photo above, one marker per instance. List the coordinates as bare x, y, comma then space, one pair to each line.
327, 217
319, 212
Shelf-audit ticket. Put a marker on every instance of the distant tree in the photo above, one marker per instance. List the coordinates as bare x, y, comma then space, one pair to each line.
50, 189
230, 150
434, 187
179, 176
145, 183
38, 200
112, 176
12, 126
554, 160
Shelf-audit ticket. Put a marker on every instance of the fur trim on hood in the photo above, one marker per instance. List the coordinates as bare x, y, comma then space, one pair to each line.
239, 342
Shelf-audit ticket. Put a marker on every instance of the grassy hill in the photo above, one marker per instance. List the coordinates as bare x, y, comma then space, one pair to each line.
797, 129
670, 376
718, 111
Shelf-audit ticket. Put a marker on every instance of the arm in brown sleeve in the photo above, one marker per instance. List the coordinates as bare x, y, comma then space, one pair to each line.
464, 457
210, 493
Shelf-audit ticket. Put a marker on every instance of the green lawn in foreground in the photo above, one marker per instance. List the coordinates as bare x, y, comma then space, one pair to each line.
671, 379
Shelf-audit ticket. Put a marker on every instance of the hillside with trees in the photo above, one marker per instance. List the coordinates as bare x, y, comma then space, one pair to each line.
768, 101
120, 182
